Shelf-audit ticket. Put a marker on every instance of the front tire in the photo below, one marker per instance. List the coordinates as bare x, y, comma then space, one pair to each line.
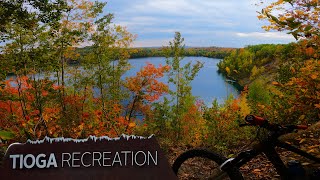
202, 164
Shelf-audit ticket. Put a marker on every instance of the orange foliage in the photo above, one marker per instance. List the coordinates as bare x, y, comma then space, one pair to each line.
19, 107
145, 83
32, 109
193, 125
306, 90
23, 116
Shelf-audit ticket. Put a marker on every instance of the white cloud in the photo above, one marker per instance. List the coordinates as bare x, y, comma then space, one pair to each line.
188, 13
264, 35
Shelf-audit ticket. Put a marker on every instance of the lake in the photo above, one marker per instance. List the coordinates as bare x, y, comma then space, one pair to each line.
207, 86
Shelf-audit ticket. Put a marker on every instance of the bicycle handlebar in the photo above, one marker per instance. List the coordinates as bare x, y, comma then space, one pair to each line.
255, 120
302, 127
262, 122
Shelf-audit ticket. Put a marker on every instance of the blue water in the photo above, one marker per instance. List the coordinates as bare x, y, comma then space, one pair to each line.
207, 86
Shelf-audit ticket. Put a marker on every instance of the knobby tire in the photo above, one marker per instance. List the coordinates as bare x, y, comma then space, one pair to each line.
233, 173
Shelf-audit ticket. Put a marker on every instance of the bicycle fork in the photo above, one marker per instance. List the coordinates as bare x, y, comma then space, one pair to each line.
237, 162
246, 156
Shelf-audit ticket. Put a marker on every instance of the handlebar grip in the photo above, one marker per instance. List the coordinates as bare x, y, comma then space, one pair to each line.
255, 120
302, 127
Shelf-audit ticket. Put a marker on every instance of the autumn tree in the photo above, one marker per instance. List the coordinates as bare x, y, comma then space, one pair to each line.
145, 88
45, 45
300, 93
299, 17
26, 53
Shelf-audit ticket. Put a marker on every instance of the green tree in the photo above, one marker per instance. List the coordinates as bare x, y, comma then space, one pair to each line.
46, 44
72, 30
18, 12
27, 54
180, 76
108, 60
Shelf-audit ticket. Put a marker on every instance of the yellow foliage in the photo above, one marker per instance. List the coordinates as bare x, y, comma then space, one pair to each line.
132, 125
260, 16
244, 106
228, 70
282, 17
256, 71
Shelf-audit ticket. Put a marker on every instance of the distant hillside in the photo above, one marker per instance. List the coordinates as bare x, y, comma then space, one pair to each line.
270, 61
213, 52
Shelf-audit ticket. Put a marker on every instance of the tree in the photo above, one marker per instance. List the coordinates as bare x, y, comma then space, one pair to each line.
145, 88
108, 59
71, 31
28, 12
300, 91
181, 77
21, 55
45, 44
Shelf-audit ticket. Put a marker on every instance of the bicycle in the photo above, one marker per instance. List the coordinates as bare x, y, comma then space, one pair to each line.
229, 168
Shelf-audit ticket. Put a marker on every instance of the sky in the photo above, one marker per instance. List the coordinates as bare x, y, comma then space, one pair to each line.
222, 23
